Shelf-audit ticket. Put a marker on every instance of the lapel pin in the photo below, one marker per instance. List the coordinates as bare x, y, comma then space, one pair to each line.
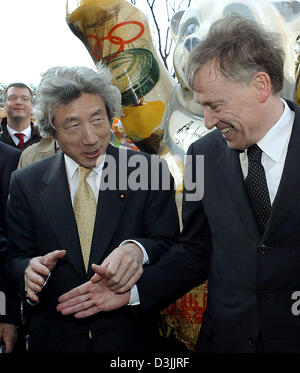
122, 196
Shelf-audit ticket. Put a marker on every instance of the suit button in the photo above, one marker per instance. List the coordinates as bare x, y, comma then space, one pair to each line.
251, 342
263, 249
262, 296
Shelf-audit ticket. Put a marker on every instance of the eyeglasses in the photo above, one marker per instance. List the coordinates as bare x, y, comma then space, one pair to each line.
16, 98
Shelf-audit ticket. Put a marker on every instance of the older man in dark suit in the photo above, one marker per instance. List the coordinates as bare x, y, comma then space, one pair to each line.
9, 158
80, 208
243, 235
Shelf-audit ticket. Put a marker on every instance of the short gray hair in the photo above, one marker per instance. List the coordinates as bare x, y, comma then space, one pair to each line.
241, 48
61, 85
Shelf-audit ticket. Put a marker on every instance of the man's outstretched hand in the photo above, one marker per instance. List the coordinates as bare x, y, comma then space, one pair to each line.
91, 297
37, 271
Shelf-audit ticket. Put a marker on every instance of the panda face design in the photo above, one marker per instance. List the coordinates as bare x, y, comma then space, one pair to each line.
190, 26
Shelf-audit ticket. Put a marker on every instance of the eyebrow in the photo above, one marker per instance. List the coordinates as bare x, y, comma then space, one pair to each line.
70, 119
211, 103
97, 112
74, 117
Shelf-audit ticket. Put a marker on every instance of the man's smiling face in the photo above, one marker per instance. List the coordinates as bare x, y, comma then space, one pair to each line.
18, 103
229, 106
83, 129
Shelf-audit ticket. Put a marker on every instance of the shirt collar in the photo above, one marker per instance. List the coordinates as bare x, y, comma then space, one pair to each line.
72, 166
26, 132
277, 138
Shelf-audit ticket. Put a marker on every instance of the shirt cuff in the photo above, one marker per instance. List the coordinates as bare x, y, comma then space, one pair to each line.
146, 257
134, 297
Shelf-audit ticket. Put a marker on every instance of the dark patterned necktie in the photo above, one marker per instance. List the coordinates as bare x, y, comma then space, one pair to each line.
20, 136
256, 184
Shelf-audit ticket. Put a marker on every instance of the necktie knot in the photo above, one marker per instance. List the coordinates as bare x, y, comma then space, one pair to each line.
20, 136
83, 173
254, 153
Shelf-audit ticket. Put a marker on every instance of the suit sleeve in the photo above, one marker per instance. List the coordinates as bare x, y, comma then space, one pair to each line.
9, 300
8, 165
186, 264
161, 223
20, 233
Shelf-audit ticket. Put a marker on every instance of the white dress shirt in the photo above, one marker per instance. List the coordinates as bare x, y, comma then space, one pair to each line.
274, 146
94, 179
12, 133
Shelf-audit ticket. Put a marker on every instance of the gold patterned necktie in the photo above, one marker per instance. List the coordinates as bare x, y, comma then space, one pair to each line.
85, 207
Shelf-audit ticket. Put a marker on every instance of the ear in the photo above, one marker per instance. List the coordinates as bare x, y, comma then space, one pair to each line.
262, 85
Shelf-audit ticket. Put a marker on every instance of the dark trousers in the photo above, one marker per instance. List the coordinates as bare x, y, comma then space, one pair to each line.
90, 346
260, 348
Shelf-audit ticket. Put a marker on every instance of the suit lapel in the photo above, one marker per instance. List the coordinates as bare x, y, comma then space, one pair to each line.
231, 172
57, 205
111, 204
288, 188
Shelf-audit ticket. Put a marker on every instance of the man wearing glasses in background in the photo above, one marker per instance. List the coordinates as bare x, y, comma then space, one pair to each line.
17, 128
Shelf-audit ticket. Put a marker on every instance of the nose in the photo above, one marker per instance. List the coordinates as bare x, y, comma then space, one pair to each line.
89, 136
210, 118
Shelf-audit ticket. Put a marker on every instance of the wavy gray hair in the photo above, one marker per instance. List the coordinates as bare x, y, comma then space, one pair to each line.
61, 85
242, 48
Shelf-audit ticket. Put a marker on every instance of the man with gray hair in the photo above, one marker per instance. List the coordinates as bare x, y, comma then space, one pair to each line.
87, 209
243, 235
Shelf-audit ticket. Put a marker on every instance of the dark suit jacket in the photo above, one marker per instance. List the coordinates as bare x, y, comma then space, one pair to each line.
6, 138
251, 278
41, 219
9, 158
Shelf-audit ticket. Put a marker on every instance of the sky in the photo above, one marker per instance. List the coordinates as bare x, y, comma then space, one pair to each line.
34, 37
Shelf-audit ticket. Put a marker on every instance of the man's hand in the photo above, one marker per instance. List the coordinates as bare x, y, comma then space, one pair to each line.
37, 271
91, 297
8, 336
123, 267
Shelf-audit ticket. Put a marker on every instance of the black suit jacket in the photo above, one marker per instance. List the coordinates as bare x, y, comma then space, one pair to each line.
9, 158
6, 138
41, 219
251, 278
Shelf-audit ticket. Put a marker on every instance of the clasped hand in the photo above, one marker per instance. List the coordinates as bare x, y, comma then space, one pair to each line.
91, 297
110, 286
